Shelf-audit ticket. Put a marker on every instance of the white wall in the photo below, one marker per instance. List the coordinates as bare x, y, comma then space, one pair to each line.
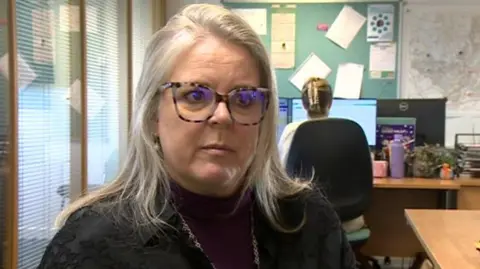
172, 6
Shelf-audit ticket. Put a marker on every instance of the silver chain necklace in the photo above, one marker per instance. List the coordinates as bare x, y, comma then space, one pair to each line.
193, 238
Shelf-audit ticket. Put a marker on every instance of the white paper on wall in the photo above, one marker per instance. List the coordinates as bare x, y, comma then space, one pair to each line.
348, 83
282, 49
256, 17
313, 66
345, 27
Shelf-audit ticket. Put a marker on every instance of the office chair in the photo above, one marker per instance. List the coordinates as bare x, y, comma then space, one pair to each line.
336, 153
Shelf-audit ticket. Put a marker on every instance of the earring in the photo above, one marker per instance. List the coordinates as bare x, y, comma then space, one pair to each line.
156, 142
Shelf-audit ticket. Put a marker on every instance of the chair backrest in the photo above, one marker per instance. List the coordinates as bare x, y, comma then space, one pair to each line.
336, 154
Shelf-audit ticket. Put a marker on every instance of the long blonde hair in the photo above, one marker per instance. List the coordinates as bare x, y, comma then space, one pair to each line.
143, 180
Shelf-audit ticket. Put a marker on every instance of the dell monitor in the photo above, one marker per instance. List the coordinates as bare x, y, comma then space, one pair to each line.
361, 111
283, 106
429, 114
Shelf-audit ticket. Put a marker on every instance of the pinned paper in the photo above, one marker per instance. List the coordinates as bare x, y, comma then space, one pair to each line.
283, 27
346, 26
256, 17
25, 74
283, 40
313, 66
383, 60
348, 83
380, 22
283, 54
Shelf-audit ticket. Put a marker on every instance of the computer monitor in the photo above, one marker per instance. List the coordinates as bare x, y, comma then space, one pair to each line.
283, 105
298, 112
361, 111
429, 114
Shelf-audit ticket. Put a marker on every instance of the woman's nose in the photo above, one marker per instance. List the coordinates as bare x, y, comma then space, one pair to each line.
221, 115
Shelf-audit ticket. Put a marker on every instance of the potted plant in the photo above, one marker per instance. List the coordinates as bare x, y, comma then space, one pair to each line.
429, 160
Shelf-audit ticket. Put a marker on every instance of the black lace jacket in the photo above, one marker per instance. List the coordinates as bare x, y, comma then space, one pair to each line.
91, 240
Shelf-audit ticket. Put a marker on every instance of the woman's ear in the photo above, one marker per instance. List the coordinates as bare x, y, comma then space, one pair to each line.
156, 141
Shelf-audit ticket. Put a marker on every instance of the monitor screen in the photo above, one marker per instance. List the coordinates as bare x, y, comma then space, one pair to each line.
361, 111
430, 117
282, 116
298, 112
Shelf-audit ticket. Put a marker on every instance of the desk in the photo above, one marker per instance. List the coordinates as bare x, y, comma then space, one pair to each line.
469, 194
391, 236
450, 242
415, 183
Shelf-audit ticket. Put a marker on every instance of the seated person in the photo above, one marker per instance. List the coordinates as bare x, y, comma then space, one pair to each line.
317, 100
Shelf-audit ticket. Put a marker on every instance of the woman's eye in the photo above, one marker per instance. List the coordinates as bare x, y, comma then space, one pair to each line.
245, 98
195, 95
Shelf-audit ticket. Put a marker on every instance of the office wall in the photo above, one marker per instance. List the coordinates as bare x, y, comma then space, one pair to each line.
309, 39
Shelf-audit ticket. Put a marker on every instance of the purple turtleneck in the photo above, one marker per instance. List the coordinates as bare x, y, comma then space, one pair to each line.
223, 232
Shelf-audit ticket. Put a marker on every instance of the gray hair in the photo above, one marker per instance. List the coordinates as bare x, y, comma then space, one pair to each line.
143, 179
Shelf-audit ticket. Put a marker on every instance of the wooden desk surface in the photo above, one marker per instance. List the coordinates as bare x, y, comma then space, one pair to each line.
416, 183
448, 236
468, 182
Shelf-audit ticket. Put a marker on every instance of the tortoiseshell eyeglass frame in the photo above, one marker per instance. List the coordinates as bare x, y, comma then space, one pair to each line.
218, 98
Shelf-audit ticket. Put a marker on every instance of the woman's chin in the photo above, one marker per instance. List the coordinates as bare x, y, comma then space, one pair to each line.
212, 173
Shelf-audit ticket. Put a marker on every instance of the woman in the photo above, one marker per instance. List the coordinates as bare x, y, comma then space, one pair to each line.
202, 186
317, 100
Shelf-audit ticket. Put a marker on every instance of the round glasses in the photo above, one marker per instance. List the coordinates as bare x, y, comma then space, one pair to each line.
195, 102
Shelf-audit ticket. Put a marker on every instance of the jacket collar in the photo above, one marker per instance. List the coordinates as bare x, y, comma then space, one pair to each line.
148, 235
172, 229
268, 239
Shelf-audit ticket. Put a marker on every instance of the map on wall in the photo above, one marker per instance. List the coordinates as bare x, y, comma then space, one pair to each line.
442, 55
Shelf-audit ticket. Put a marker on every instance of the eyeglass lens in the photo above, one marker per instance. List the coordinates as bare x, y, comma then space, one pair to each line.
196, 103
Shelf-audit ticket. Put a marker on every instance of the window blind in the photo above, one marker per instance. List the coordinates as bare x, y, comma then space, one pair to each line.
142, 32
106, 87
4, 125
43, 124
